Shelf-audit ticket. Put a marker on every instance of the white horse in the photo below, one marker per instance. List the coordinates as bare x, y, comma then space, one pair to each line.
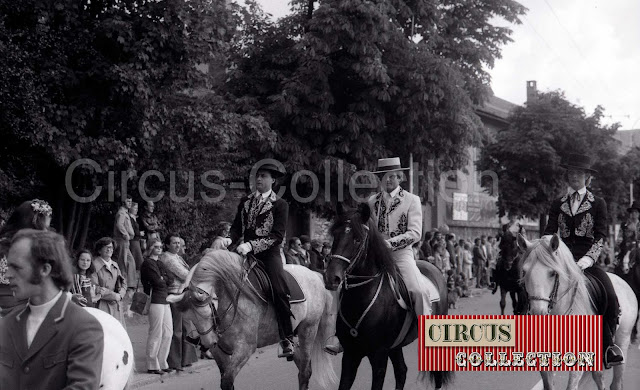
548, 261
117, 358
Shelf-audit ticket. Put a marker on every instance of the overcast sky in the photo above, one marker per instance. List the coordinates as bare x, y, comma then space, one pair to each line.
590, 49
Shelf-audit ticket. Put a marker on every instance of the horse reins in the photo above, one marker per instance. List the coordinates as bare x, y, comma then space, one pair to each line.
360, 254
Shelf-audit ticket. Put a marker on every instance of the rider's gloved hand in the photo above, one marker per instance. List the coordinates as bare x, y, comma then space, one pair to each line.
244, 248
585, 262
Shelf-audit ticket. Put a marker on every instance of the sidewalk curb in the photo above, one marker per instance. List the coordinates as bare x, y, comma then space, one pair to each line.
143, 379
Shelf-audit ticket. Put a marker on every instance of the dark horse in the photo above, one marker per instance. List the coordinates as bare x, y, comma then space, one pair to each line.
628, 268
370, 318
508, 270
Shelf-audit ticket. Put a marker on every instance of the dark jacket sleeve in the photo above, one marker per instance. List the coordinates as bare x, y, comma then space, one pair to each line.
552, 222
236, 227
599, 228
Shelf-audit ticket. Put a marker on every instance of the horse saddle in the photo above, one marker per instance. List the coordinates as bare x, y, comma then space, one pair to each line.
401, 293
260, 283
597, 294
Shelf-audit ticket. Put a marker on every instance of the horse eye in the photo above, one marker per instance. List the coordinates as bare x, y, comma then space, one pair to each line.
552, 274
347, 229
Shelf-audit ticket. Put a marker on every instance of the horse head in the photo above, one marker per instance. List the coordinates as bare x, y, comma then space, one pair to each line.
551, 277
197, 304
350, 237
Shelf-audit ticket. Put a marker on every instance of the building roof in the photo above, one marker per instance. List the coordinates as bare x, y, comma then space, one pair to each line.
497, 107
628, 140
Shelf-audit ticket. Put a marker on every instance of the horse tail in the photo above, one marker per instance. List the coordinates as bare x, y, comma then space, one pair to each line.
323, 370
439, 378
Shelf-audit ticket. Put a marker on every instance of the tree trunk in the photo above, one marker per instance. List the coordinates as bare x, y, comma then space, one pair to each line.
542, 223
84, 227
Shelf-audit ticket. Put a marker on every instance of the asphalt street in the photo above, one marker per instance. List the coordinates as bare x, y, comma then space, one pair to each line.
265, 371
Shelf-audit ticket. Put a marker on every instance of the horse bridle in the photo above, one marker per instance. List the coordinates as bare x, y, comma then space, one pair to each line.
360, 254
553, 298
216, 319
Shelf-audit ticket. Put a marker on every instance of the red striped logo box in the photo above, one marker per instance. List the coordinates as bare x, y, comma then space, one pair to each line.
510, 343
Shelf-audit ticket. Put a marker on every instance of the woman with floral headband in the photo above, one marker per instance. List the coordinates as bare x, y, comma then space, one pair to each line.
31, 214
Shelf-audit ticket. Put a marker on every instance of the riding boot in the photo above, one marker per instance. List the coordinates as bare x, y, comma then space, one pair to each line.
612, 353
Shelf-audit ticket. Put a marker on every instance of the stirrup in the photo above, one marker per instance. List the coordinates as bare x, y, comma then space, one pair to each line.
333, 348
616, 350
288, 354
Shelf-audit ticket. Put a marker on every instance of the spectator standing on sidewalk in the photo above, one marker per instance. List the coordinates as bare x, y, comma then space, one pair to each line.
122, 234
136, 241
112, 285
181, 353
156, 281
150, 223
222, 239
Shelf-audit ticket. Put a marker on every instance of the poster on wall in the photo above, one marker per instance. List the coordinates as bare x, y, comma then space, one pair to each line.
460, 207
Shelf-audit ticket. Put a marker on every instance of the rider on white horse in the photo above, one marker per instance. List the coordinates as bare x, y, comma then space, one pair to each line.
398, 216
581, 220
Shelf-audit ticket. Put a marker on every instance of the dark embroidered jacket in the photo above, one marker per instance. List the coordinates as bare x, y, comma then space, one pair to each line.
584, 233
263, 225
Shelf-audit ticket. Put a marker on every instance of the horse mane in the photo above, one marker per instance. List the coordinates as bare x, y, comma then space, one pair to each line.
222, 268
564, 265
378, 252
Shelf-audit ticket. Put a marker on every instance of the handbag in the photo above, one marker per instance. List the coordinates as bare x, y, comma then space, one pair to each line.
140, 302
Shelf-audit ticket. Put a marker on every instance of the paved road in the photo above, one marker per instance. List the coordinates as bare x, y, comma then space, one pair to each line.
266, 372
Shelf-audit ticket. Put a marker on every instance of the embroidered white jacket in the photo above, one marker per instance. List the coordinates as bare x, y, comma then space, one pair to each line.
401, 222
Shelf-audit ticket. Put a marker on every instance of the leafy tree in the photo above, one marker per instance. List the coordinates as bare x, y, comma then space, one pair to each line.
131, 84
526, 156
348, 81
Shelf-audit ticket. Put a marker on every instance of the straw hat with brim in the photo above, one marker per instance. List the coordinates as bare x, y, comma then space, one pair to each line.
275, 170
634, 206
578, 161
389, 165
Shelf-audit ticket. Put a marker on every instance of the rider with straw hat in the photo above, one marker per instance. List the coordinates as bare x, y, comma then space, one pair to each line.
580, 218
398, 216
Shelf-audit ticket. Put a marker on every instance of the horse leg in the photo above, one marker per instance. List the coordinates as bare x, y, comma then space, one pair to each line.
378, 362
399, 367
598, 377
634, 331
574, 380
230, 365
514, 301
503, 299
618, 372
350, 364
547, 379
302, 355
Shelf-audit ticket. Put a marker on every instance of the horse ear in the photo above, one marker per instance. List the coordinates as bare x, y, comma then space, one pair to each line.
365, 212
340, 208
555, 242
175, 298
522, 242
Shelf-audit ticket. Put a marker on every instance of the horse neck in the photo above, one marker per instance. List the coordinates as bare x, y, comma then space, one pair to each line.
573, 303
367, 266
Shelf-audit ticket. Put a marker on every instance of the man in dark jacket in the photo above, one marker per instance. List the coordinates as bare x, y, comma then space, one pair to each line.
316, 257
581, 220
479, 262
52, 343
261, 223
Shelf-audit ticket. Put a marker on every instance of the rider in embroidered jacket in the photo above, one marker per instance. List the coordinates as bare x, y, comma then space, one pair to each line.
398, 215
261, 223
581, 220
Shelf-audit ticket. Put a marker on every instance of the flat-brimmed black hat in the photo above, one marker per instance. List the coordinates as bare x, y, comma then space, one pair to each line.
634, 206
578, 161
276, 171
